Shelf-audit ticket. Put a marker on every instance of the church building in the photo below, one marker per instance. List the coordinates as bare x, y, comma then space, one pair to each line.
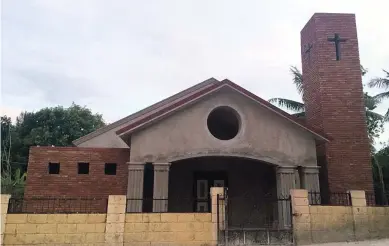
216, 133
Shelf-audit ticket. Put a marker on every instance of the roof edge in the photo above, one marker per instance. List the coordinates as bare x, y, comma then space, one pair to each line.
146, 110
158, 114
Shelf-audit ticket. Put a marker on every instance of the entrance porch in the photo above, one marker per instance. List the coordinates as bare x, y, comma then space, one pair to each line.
256, 190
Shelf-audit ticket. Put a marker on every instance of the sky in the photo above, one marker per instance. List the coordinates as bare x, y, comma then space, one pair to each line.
119, 56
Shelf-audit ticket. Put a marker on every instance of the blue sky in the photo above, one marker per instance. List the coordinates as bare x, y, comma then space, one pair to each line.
117, 57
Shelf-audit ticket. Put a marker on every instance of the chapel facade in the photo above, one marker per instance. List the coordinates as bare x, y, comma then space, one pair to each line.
216, 133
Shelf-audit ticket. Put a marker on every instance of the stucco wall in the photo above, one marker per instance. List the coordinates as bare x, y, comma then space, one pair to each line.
323, 224
51, 229
169, 228
263, 135
107, 139
113, 228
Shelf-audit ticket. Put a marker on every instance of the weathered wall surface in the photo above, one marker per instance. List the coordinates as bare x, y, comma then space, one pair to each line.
172, 228
68, 182
51, 229
331, 224
108, 139
323, 224
263, 135
113, 228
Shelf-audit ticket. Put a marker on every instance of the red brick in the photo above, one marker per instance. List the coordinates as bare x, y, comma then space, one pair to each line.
333, 95
68, 183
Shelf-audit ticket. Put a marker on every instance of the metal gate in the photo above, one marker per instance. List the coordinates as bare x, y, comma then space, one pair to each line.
254, 221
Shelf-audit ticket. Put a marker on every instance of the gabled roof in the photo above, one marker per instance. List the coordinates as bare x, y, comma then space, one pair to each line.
146, 111
202, 91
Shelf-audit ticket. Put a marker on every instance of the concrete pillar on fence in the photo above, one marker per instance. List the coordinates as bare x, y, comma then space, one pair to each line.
218, 210
286, 181
4, 210
116, 214
301, 217
161, 187
135, 186
360, 214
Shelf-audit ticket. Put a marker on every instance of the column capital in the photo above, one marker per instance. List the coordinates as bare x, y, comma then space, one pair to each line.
161, 166
286, 169
136, 165
311, 169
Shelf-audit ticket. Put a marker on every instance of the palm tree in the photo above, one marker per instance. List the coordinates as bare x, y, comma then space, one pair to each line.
297, 107
382, 83
374, 120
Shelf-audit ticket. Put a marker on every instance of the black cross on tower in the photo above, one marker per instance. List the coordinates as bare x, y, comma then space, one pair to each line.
337, 40
308, 50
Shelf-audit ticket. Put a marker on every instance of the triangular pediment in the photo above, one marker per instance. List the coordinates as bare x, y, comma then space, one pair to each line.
203, 94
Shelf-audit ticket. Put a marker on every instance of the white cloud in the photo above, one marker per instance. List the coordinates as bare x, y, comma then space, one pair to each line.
117, 57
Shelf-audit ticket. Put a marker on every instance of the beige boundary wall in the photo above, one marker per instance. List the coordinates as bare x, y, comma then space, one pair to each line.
323, 224
114, 228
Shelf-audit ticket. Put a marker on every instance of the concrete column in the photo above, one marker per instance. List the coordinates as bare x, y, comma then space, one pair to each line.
4, 211
116, 214
360, 214
135, 186
218, 214
161, 187
286, 181
310, 178
301, 217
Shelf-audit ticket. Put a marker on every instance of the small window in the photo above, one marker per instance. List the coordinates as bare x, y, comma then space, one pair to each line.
110, 168
83, 168
53, 168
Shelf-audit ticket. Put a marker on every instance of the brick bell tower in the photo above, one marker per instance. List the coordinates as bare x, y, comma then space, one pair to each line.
333, 95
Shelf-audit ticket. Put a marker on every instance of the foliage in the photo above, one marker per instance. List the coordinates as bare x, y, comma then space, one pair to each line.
381, 168
292, 105
6, 131
12, 182
56, 126
374, 121
382, 83
288, 104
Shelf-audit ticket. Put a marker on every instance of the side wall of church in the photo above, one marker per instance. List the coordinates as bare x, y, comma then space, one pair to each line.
68, 182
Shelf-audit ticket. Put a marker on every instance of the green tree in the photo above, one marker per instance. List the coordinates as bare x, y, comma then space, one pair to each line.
6, 131
56, 126
381, 169
382, 83
12, 179
374, 121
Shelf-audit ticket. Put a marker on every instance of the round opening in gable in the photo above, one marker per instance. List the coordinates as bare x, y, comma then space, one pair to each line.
223, 123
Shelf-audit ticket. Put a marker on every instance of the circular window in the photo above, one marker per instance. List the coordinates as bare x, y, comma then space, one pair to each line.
223, 123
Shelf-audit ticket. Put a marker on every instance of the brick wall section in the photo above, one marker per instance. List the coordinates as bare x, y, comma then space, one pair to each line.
68, 183
333, 96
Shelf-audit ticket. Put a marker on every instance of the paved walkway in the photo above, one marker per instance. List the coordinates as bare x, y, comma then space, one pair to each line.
383, 242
